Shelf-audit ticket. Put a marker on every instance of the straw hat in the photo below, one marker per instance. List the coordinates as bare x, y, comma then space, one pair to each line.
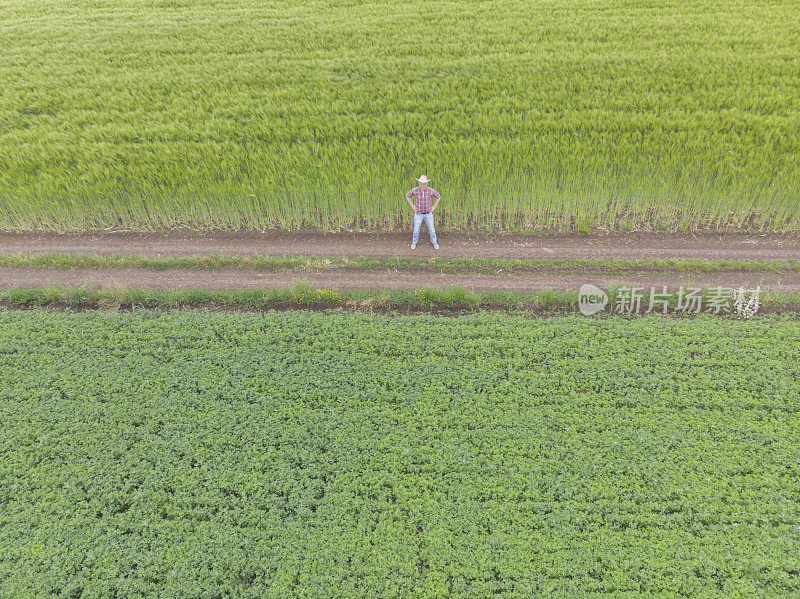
423, 179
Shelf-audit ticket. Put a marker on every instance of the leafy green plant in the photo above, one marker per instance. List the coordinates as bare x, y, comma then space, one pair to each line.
187, 453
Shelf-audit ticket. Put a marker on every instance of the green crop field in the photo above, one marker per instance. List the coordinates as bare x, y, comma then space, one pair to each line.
184, 454
564, 114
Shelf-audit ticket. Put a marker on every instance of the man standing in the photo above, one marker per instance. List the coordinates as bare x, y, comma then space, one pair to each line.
423, 210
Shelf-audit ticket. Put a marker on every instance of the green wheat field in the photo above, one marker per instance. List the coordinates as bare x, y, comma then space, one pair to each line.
565, 114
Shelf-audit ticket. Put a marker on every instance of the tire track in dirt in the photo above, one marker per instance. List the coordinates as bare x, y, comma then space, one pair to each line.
737, 246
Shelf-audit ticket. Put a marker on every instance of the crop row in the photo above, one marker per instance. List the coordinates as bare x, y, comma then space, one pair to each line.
319, 455
568, 114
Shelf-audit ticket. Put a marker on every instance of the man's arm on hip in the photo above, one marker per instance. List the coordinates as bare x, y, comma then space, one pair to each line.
408, 199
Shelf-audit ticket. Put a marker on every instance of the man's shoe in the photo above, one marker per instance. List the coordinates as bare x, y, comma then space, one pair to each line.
436, 246
413, 246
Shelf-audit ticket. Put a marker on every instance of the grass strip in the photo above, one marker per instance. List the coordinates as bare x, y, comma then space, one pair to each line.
301, 295
433, 264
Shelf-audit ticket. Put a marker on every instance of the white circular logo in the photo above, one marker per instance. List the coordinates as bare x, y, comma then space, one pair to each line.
591, 299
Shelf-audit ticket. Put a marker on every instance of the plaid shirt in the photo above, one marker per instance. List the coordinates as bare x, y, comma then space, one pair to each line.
422, 198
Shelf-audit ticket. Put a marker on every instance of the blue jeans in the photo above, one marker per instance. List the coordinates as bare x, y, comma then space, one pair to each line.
428, 218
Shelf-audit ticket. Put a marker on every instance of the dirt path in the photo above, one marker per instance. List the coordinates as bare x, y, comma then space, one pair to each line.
242, 278
383, 244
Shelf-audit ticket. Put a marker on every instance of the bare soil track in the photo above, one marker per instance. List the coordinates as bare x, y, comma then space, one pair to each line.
386, 244
734, 246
